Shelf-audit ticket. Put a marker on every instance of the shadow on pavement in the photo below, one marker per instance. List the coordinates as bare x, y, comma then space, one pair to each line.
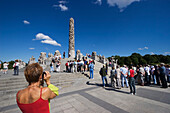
86, 75
116, 90
96, 84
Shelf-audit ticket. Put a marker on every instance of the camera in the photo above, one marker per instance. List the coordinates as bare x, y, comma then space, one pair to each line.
42, 82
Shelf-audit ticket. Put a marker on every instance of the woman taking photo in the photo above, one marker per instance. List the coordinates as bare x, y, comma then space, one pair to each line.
35, 98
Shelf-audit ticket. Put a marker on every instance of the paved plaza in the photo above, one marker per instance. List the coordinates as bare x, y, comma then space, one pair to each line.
78, 94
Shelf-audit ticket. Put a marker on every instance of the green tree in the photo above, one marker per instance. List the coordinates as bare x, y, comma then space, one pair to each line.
165, 59
10, 66
142, 61
121, 61
135, 60
149, 59
136, 55
128, 61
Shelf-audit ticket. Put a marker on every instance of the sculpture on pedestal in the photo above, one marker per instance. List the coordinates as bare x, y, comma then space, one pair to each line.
71, 51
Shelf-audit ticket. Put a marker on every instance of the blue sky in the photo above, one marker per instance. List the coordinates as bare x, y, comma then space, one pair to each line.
109, 27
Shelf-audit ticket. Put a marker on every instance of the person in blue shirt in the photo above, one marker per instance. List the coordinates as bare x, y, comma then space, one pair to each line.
162, 71
91, 67
124, 73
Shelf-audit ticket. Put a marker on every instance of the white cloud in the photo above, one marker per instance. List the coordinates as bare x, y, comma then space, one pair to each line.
146, 48
121, 4
52, 42
41, 36
26, 22
62, 2
99, 2
140, 48
31, 48
152, 53
167, 53
143, 48
62, 7
46, 39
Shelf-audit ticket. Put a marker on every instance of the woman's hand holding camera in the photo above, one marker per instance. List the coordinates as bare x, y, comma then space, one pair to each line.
47, 78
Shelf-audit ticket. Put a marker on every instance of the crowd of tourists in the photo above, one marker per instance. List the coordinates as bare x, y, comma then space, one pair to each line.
79, 65
15, 67
143, 75
55, 63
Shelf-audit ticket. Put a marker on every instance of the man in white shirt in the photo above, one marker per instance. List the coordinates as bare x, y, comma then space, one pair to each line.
141, 74
147, 74
5, 66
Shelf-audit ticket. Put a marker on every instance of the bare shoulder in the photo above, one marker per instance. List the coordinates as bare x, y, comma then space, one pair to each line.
46, 92
20, 91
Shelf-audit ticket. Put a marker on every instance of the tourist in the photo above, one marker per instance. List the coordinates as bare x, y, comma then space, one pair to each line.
124, 73
132, 81
85, 65
103, 75
168, 73
59, 57
156, 73
118, 77
5, 67
70, 65
35, 98
63, 55
153, 74
91, 67
51, 67
93, 62
78, 66
162, 71
16, 67
141, 75
53, 59
75, 66
106, 69
147, 75
113, 77
67, 68
58, 66
138, 75
81, 65
135, 71
72, 62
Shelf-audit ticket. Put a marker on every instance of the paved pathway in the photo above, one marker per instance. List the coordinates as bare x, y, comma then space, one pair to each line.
76, 96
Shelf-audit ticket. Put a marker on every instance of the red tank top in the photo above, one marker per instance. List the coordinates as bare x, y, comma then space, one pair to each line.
131, 73
39, 106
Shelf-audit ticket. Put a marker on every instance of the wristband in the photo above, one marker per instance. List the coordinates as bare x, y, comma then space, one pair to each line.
54, 89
